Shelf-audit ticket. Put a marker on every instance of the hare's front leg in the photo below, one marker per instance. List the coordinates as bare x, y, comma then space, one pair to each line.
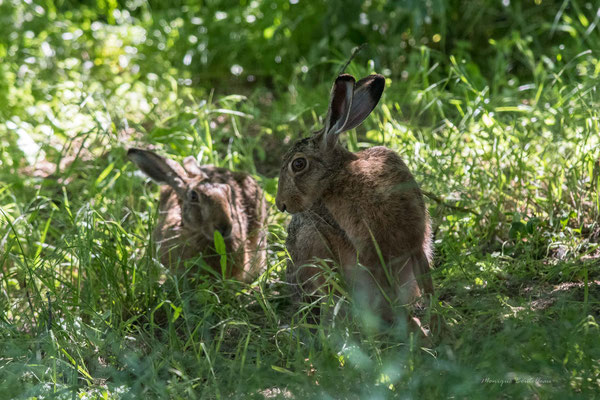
308, 248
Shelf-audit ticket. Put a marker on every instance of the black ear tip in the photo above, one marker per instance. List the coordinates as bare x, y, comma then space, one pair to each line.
375, 79
345, 78
378, 84
133, 152
375, 84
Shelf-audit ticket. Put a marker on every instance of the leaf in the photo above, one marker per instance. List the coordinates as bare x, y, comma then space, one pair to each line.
232, 97
283, 370
43, 237
221, 250
208, 142
104, 174
177, 311
231, 112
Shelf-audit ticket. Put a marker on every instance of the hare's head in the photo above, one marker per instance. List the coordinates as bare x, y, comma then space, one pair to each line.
310, 165
205, 206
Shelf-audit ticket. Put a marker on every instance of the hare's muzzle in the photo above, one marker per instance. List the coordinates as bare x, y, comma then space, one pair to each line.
224, 229
280, 205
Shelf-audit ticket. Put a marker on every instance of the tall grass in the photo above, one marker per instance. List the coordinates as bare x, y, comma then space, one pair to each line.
497, 116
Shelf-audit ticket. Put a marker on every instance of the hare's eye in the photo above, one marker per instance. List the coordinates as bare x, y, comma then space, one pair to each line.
193, 195
299, 164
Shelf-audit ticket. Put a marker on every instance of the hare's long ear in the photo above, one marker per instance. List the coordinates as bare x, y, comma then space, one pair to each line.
160, 169
367, 93
192, 168
340, 104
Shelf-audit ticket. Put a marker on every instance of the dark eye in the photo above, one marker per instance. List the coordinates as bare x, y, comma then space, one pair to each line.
193, 195
299, 164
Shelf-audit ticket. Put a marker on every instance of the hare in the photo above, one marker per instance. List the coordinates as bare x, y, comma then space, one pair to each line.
196, 202
362, 210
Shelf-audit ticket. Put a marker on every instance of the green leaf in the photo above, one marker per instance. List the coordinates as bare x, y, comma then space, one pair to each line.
43, 237
104, 174
177, 311
283, 370
221, 250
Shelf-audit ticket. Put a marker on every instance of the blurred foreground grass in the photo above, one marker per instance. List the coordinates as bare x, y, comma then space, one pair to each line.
493, 105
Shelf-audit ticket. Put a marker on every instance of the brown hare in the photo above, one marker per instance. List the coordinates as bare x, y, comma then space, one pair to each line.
362, 210
197, 201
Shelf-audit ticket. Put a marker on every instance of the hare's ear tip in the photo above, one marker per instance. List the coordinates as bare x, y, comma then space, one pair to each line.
376, 79
375, 84
379, 82
133, 154
132, 151
137, 155
345, 77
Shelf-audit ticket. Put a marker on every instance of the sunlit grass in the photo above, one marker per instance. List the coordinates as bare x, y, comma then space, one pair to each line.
506, 145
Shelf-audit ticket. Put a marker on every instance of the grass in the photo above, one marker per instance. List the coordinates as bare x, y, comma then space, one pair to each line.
498, 119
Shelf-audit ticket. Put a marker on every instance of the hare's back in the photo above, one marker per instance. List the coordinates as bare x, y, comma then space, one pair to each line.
386, 170
391, 196
240, 182
383, 164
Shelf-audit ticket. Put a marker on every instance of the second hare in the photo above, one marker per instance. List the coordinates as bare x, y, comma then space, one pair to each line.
197, 201
363, 210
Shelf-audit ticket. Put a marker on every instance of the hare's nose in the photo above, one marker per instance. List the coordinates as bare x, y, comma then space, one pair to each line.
224, 230
280, 205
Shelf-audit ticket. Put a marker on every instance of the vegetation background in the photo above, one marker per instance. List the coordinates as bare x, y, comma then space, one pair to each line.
494, 105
